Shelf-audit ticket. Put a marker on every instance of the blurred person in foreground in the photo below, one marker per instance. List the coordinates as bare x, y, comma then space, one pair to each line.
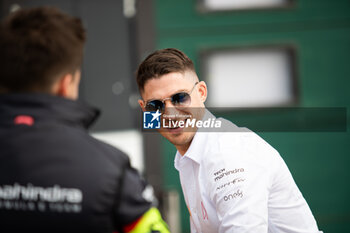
232, 180
54, 177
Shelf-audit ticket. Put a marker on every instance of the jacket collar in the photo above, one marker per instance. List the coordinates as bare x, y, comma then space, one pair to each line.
48, 108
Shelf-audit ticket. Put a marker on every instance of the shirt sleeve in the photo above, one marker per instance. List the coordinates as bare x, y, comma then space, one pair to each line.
288, 210
135, 197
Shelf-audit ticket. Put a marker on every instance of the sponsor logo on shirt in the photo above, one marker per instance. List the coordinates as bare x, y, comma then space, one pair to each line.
237, 194
204, 212
232, 182
35, 198
223, 173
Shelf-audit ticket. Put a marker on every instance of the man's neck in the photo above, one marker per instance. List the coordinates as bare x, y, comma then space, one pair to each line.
182, 149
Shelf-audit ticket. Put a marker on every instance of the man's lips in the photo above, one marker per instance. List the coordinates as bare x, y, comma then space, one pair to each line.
173, 125
176, 130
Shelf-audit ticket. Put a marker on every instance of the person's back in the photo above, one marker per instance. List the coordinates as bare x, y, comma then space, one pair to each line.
54, 177
51, 172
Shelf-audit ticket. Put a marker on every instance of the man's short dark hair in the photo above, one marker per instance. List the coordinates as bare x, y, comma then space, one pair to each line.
162, 62
36, 46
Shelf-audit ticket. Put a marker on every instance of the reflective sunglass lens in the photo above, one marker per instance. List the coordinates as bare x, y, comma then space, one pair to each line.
181, 99
154, 105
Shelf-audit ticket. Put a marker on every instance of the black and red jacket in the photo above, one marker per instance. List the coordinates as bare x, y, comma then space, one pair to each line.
54, 177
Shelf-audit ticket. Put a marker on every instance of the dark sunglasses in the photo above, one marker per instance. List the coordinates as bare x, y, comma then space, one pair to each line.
180, 99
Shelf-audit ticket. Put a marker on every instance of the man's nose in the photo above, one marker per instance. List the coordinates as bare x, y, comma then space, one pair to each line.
169, 109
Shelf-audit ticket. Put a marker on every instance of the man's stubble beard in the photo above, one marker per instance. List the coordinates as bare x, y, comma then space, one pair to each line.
183, 139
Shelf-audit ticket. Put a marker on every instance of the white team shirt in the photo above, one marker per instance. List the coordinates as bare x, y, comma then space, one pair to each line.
236, 182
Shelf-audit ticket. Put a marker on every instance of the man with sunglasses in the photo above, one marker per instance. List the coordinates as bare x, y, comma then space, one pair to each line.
232, 180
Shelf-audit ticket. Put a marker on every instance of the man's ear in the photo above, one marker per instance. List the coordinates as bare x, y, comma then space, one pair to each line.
63, 85
142, 105
203, 92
